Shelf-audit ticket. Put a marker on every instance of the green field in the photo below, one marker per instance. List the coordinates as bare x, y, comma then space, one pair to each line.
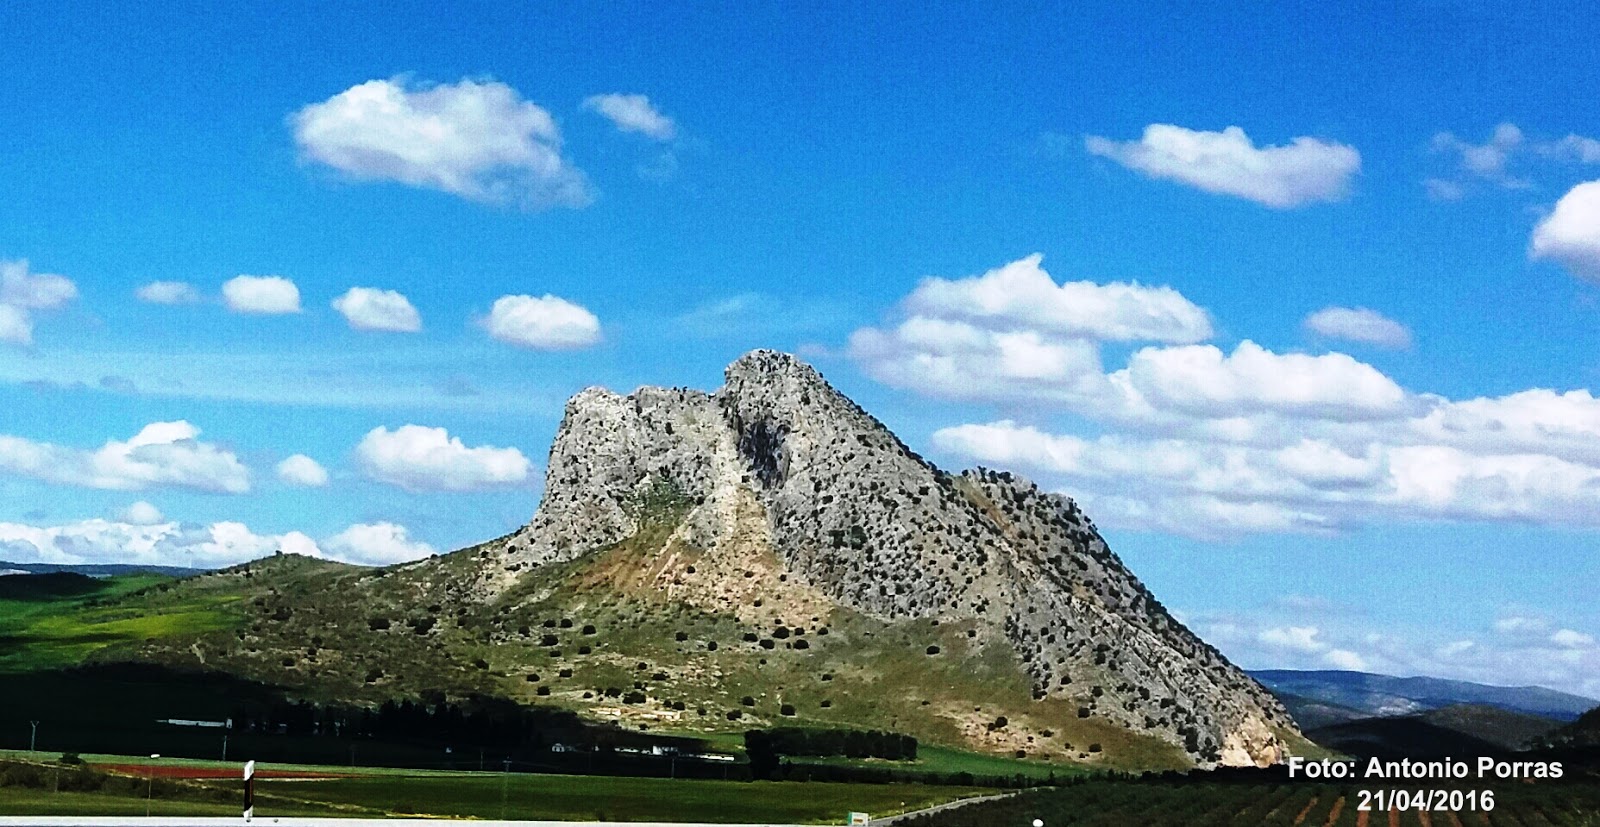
381, 793
66, 618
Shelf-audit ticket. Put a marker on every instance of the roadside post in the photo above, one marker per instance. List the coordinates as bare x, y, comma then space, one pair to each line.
249, 790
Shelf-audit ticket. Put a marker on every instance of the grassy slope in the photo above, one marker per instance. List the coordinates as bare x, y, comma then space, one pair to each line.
51, 628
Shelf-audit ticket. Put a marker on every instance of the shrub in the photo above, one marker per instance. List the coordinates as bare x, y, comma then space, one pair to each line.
378, 624
543, 690
787, 709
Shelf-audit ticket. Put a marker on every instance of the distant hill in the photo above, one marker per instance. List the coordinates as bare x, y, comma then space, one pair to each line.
1311, 714
1386, 696
1583, 733
12, 569
1406, 736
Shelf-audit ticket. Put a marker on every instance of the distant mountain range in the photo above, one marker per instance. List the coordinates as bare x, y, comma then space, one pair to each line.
94, 570
1319, 698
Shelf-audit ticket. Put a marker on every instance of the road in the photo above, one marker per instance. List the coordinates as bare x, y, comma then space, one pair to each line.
881, 822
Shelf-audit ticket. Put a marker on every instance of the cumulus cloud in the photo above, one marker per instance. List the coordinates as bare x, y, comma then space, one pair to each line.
1359, 324
419, 458
214, 545
1300, 638
544, 323
376, 544
633, 113
368, 308
262, 295
303, 471
1346, 638
1022, 293
477, 139
141, 513
1304, 171
1570, 235
22, 292
1569, 639
1487, 160
1202, 380
161, 454
165, 544
1576, 148
956, 360
1205, 488
168, 292
1345, 659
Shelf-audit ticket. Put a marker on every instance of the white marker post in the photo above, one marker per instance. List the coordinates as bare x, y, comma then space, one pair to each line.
249, 790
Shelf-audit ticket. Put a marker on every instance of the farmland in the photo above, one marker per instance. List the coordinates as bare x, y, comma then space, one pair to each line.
190, 788
1202, 803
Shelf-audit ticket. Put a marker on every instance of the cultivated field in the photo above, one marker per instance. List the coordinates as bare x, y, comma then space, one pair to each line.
119, 785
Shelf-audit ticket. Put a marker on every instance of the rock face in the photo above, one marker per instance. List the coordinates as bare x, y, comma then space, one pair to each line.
855, 515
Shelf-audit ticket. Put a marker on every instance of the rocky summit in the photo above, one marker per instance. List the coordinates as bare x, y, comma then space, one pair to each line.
778, 462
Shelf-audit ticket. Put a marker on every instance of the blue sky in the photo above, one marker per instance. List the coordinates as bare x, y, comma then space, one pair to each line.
1312, 332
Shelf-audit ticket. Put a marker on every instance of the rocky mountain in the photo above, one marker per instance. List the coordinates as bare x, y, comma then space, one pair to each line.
765, 552
779, 462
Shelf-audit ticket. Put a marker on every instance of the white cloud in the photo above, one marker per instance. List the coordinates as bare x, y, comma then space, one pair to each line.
418, 458
265, 295
545, 323
1569, 639
1488, 159
15, 325
1301, 638
1517, 624
367, 308
376, 544
479, 140
141, 513
1570, 235
1206, 488
956, 360
164, 544
1345, 659
22, 292
1349, 640
1359, 324
1023, 294
303, 471
168, 292
225, 543
1576, 148
1201, 380
1227, 162
633, 113
161, 454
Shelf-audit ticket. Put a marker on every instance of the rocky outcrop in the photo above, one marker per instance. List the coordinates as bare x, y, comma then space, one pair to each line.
855, 515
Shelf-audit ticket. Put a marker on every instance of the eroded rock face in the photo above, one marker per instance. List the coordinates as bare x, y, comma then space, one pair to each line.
857, 516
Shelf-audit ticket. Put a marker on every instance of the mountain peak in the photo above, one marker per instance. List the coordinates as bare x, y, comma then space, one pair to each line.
787, 494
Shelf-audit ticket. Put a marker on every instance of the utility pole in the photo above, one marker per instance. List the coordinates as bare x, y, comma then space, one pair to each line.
224, 747
34, 737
